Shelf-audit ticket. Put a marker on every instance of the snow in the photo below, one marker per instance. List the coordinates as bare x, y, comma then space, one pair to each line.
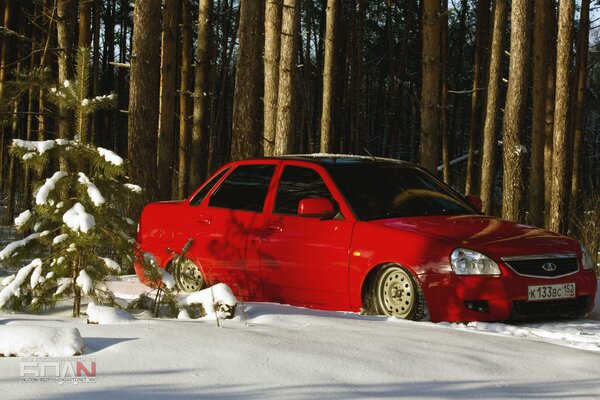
167, 279
209, 297
42, 195
133, 188
111, 264
39, 341
60, 238
107, 315
274, 351
11, 247
36, 275
110, 156
78, 220
14, 287
84, 282
38, 146
92, 190
22, 218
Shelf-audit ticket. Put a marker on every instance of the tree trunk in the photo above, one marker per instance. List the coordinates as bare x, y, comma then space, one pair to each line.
582, 61
65, 19
474, 129
549, 126
272, 43
168, 83
287, 69
430, 87
561, 109
3, 70
444, 94
490, 126
144, 95
513, 185
327, 114
246, 134
85, 12
184, 104
201, 114
538, 119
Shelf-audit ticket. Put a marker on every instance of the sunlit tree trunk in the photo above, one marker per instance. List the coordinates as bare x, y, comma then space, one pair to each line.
444, 94
513, 146
327, 114
272, 40
184, 103
65, 27
490, 127
561, 109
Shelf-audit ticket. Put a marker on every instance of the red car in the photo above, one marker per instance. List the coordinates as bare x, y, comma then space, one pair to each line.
355, 233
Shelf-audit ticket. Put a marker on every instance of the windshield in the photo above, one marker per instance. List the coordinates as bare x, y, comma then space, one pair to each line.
386, 190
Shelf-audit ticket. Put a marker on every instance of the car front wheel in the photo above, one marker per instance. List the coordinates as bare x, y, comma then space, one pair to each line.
394, 292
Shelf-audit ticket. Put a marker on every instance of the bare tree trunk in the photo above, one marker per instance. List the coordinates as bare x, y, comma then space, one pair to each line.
272, 43
582, 61
538, 119
144, 94
168, 83
287, 69
561, 109
513, 185
444, 95
327, 114
430, 87
490, 127
85, 13
550, 96
247, 124
65, 18
184, 104
474, 128
201, 113
3, 70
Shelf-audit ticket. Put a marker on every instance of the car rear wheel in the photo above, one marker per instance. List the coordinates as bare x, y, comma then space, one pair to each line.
394, 292
188, 277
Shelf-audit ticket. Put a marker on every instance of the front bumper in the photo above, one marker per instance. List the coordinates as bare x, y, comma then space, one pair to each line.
487, 298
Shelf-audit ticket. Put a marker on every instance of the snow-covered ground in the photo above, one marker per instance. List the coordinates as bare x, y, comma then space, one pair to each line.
282, 352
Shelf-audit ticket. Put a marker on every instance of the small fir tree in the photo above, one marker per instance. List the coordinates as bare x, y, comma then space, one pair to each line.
78, 229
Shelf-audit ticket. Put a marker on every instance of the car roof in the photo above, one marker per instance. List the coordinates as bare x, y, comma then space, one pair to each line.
331, 159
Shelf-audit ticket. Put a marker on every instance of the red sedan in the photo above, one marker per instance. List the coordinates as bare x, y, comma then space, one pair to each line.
356, 233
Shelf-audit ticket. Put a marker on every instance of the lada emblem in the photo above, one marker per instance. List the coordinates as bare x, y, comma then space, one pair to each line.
549, 267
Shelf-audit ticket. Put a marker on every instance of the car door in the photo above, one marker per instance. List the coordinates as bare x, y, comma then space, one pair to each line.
226, 218
304, 260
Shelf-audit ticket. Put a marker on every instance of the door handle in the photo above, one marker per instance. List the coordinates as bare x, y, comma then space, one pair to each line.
275, 226
205, 219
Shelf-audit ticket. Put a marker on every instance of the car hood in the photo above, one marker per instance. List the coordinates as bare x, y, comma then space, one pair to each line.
489, 235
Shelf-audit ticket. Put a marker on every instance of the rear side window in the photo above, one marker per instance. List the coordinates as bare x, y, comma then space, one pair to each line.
295, 184
244, 189
197, 199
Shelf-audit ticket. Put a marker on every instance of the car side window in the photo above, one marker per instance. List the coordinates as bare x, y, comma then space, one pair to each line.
198, 197
295, 184
244, 189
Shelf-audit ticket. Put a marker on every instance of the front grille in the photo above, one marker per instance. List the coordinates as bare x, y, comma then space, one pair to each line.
543, 267
557, 308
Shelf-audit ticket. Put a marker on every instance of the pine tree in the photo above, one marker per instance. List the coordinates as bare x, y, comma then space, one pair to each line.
78, 230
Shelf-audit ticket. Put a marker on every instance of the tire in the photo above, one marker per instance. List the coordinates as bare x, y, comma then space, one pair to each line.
187, 275
394, 292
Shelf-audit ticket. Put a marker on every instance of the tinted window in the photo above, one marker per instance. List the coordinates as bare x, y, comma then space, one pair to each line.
387, 190
298, 183
197, 199
244, 189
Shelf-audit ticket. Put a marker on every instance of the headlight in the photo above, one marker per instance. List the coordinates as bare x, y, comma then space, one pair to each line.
469, 262
586, 258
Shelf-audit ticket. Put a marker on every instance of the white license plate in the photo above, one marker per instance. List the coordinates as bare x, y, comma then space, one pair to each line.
550, 292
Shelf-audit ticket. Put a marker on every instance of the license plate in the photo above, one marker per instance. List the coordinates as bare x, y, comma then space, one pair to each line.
550, 292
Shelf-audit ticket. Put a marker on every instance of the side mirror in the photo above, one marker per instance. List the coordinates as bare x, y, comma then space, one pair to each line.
318, 207
475, 202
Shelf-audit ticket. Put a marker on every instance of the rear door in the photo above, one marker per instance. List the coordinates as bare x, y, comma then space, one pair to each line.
226, 218
304, 260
